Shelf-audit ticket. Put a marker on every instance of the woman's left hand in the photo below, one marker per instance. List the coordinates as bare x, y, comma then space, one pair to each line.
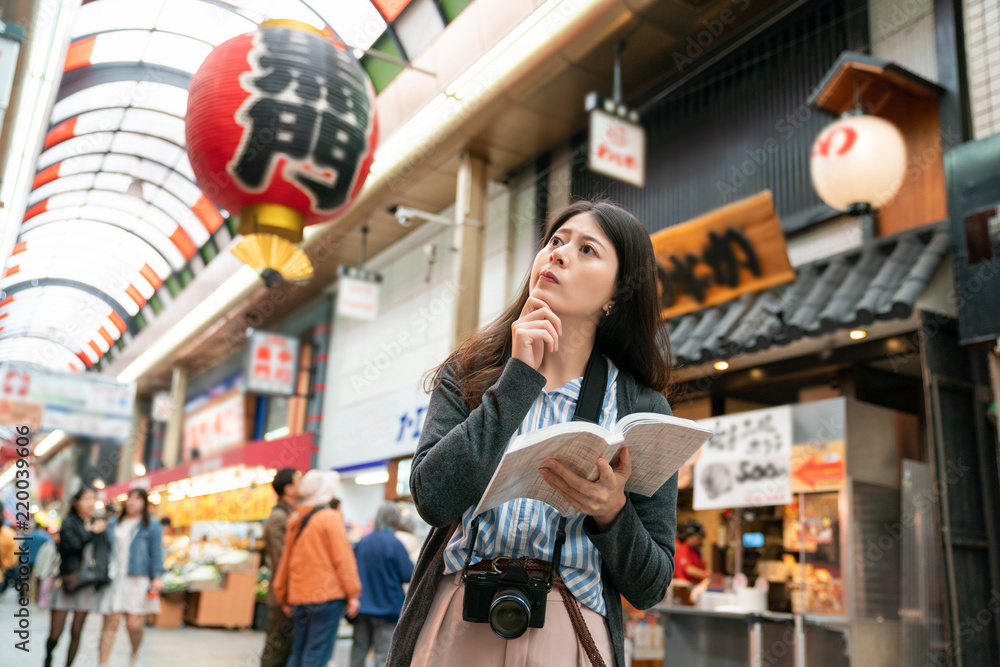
602, 499
156, 585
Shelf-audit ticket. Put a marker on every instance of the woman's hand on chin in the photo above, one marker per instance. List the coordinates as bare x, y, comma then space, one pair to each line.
538, 328
603, 498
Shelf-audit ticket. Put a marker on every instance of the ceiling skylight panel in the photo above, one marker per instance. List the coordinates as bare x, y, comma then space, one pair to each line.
105, 15
59, 186
124, 46
97, 142
357, 22
101, 96
160, 125
177, 51
206, 21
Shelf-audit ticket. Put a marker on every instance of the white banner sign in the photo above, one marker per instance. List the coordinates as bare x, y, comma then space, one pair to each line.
271, 364
357, 298
747, 462
376, 430
84, 404
617, 148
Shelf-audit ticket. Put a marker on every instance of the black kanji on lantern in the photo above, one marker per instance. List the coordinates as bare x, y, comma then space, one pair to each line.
310, 104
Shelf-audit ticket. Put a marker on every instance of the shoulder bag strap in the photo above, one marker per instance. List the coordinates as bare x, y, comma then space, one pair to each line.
595, 381
644, 403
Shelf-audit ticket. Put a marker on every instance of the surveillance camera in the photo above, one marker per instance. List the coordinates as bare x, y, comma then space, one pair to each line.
405, 220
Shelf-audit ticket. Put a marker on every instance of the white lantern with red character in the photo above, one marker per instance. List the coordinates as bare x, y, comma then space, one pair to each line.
281, 128
858, 163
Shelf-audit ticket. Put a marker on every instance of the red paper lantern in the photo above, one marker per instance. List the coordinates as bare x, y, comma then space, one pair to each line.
281, 128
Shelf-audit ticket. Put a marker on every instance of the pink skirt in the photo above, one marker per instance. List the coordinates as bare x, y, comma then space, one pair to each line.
447, 640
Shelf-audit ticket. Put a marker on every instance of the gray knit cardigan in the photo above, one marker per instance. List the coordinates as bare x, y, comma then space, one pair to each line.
455, 459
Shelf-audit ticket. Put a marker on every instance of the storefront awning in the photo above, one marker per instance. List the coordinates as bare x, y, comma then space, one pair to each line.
292, 452
881, 280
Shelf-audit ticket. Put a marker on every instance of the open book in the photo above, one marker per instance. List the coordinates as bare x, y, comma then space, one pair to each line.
659, 445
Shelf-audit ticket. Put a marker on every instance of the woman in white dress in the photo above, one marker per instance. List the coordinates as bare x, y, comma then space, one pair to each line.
136, 581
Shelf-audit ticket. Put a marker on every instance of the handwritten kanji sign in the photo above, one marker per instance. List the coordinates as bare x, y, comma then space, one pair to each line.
721, 255
747, 462
272, 364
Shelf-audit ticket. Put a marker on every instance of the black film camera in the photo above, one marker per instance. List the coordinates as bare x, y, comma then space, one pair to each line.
510, 601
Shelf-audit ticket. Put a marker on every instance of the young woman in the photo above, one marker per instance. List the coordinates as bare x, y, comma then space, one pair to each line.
80, 537
592, 284
136, 585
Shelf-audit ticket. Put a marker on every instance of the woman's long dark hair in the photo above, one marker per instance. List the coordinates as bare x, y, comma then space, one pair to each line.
631, 336
145, 506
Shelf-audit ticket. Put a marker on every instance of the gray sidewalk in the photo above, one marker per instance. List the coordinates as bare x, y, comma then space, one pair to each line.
186, 646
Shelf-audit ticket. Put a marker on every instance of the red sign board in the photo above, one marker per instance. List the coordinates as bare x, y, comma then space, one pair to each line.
272, 362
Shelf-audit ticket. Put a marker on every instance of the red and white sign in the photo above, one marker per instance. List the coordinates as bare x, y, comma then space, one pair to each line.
617, 148
216, 426
357, 298
271, 364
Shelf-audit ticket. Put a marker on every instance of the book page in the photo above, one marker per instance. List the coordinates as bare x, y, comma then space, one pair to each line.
659, 448
517, 475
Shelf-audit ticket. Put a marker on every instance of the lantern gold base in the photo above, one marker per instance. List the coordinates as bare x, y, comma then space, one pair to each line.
293, 24
273, 219
272, 256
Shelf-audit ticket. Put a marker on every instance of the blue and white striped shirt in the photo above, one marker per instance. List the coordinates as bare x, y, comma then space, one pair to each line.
526, 527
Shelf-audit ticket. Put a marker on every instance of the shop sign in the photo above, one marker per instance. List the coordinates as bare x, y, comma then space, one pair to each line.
21, 414
249, 504
617, 148
383, 428
84, 404
818, 466
215, 425
747, 462
357, 296
271, 364
163, 406
720, 256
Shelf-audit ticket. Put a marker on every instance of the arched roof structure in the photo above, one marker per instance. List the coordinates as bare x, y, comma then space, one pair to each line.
115, 212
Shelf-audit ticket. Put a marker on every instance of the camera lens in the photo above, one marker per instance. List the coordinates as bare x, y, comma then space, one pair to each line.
510, 613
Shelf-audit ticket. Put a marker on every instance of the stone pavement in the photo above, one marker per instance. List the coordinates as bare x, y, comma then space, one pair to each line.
186, 646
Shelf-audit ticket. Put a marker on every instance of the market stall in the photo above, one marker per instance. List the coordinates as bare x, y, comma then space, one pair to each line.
798, 504
213, 511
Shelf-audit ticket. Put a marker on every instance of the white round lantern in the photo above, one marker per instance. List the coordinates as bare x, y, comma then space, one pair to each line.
858, 160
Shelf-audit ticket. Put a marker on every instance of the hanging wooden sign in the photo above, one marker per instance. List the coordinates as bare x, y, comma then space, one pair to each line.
721, 255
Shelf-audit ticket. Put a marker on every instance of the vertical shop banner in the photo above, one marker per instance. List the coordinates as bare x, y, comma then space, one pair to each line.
214, 420
747, 462
271, 364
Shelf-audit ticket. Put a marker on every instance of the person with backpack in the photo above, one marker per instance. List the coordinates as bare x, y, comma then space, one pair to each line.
317, 576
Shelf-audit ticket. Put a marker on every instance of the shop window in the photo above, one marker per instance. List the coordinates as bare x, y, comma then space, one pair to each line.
398, 486
982, 235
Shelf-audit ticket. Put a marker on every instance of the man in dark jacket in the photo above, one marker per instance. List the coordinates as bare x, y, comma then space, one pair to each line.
384, 566
278, 645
